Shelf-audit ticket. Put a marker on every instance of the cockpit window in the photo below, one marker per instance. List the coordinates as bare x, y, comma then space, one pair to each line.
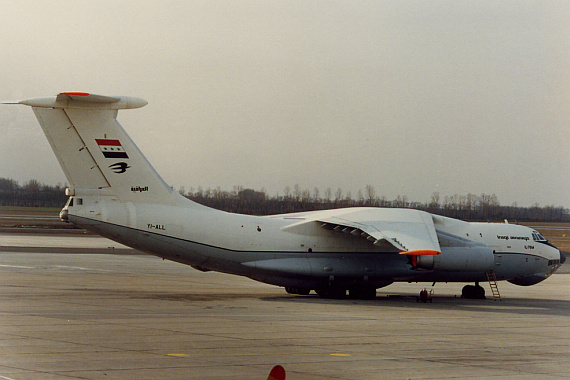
537, 236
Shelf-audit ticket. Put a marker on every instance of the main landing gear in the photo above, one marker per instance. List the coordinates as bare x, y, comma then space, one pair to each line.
474, 292
355, 293
300, 291
335, 292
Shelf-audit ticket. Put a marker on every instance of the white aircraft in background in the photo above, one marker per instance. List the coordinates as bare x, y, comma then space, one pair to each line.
116, 193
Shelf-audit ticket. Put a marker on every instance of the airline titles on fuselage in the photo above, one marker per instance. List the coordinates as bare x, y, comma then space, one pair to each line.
139, 189
504, 237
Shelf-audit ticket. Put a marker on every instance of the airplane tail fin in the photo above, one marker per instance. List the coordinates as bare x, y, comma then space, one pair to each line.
95, 153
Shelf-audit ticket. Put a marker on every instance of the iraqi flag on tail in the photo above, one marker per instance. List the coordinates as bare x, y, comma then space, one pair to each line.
111, 148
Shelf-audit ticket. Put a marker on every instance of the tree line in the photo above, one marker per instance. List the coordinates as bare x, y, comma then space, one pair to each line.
31, 194
470, 207
484, 207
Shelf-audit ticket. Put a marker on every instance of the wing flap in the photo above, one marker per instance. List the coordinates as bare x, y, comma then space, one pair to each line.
365, 231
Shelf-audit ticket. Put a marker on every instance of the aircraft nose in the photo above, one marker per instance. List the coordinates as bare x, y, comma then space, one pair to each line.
562, 257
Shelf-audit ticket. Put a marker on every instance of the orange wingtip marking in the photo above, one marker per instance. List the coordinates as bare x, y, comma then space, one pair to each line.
75, 93
277, 373
421, 252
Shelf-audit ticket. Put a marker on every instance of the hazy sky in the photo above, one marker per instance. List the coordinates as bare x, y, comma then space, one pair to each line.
411, 97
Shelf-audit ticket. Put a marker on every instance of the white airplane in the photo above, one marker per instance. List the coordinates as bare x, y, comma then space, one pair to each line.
116, 193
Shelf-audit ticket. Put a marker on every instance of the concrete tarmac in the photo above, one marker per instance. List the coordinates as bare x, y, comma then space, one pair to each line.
126, 316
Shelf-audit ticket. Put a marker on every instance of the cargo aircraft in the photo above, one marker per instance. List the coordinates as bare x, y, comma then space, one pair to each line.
114, 192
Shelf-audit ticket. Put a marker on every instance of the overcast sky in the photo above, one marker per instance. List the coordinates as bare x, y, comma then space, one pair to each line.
411, 97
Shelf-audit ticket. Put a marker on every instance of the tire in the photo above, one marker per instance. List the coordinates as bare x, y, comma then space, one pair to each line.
332, 292
473, 292
362, 293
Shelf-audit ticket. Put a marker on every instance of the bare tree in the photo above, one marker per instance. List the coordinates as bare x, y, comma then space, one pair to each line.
328, 194
359, 198
370, 195
338, 195
434, 202
316, 195
297, 193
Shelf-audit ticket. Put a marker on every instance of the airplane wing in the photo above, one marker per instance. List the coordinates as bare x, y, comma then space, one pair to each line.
405, 229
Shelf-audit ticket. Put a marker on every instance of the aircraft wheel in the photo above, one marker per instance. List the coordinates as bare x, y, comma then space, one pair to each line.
332, 292
362, 293
474, 292
300, 291
479, 292
467, 291
321, 292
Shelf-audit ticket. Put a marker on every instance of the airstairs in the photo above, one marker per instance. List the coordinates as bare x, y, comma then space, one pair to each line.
494, 286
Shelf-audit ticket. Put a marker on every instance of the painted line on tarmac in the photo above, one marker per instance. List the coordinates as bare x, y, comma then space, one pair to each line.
6, 378
15, 266
81, 268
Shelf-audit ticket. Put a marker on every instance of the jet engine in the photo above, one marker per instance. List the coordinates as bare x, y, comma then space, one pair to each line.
463, 259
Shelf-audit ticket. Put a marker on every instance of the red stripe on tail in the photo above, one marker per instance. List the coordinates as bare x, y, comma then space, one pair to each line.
108, 142
75, 93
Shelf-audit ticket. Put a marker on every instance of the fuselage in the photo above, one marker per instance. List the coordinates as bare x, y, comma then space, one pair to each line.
313, 257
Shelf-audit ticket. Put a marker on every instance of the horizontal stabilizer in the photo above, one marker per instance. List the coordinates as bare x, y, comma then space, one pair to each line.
86, 100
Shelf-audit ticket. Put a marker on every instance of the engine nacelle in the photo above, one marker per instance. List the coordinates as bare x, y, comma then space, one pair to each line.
463, 259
